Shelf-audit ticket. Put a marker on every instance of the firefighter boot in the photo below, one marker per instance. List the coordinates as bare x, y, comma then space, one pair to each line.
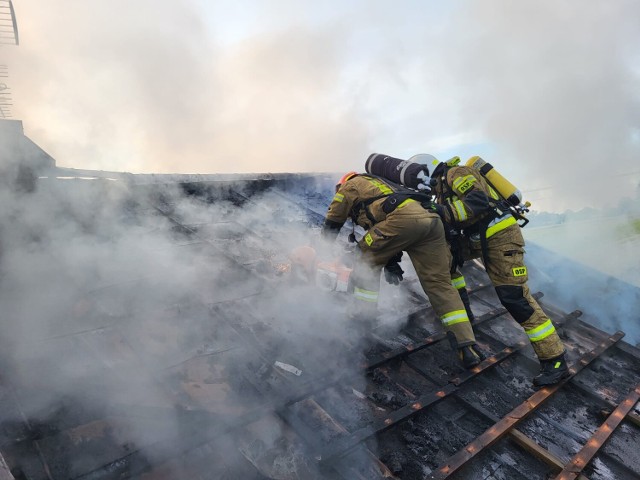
551, 371
470, 356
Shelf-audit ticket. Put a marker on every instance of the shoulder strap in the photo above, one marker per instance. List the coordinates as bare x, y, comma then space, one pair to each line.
399, 193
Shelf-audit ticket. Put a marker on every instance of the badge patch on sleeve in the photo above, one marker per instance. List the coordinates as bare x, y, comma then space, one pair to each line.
368, 239
461, 185
519, 271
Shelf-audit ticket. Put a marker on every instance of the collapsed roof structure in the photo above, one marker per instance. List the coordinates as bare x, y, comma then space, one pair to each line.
152, 330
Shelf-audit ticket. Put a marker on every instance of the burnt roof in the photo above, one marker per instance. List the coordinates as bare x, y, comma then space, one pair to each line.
222, 366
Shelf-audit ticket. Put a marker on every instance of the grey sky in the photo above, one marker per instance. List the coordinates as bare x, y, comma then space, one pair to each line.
546, 91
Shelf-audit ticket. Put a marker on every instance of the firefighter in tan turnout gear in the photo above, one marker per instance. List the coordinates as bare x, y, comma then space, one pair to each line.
469, 203
394, 224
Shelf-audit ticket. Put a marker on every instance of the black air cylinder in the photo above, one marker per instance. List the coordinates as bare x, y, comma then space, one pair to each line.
404, 172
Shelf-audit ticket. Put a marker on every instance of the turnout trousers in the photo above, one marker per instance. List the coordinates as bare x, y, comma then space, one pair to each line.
508, 273
420, 233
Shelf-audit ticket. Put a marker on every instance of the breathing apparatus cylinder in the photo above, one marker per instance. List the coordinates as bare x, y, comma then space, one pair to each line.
404, 172
503, 186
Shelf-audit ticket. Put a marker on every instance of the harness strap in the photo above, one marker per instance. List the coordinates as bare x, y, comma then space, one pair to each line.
395, 197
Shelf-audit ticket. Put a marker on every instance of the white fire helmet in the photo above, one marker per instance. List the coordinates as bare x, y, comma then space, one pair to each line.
426, 159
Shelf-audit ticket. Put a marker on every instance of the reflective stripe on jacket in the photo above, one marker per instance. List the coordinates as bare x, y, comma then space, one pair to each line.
468, 198
362, 188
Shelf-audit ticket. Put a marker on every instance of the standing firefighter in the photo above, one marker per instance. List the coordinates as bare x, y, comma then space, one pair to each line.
470, 204
395, 223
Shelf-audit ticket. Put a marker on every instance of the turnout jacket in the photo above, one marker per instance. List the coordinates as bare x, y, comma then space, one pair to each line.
361, 198
396, 222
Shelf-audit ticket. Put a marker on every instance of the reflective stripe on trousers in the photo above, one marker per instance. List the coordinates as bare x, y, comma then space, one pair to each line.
365, 295
541, 331
457, 316
458, 282
498, 224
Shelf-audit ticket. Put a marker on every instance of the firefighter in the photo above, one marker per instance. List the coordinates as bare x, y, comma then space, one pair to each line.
394, 226
466, 201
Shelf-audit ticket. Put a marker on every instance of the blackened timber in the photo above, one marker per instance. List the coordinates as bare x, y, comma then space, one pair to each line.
634, 418
518, 347
629, 350
384, 357
540, 452
317, 385
344, 467
532, 447
283, 411
31, 445
590, 449
302, 429
487, 363
518, 437
220, 426
279, 402
517, 415
607, 405
344, 444
310, 436
596, 334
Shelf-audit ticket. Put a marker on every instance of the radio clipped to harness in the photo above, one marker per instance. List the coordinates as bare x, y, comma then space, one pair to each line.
509, 193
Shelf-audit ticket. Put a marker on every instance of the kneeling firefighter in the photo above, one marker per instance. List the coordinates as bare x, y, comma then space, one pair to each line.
468, 201
395, 221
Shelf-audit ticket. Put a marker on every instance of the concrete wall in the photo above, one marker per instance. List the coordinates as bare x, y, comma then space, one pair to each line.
16, 147
21, 160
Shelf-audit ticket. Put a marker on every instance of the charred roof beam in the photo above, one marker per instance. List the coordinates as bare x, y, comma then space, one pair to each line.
345, 444
517, 415
404, 350
593, 445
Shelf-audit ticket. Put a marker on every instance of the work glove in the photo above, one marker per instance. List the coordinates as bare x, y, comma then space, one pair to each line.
393, 273
437, 208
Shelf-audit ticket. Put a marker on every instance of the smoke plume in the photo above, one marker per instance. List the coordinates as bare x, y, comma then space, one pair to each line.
547, 92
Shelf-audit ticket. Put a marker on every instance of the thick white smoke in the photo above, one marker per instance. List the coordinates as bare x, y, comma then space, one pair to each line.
545, 91
121, 298
554, 87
